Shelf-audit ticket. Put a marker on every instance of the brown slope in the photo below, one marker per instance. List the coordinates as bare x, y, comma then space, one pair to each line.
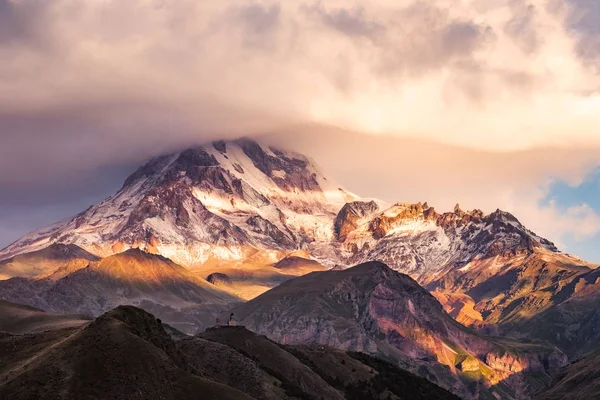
133, 277
145, 275
510, 288
267, 370
573, 323
299, 265
272, 358
17, 318
373, 309
125, 354
226, 365
578, 381
67, 258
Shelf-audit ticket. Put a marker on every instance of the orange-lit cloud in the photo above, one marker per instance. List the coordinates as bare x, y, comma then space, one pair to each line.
499, 88
479, 73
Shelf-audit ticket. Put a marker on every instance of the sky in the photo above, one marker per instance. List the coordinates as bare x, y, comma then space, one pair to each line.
489, 103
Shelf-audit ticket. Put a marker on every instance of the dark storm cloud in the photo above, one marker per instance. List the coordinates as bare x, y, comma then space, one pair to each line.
37, 147
462, 38
66, 143
587, 16
426, 39
415, 39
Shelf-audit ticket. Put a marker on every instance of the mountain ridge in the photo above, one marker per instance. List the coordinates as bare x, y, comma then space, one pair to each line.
239, 208
372, 309
132, 277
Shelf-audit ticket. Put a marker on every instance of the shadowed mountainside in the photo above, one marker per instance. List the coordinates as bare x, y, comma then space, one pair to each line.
127, 354
578, 381
124, 354
573, 322
312, 372
256, 274
20, 319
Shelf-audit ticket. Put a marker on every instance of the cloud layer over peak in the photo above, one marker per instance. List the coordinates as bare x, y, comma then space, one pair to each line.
88, 84
479, 73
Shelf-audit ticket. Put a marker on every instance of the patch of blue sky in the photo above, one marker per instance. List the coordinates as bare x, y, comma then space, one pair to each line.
565, 196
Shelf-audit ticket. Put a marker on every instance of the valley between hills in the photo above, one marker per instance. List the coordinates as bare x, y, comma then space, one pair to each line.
336, 296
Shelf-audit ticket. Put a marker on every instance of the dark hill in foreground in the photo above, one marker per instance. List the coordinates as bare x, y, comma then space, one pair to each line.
127, 354
124, 354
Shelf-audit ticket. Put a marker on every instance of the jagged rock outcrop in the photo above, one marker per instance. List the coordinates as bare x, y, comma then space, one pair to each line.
350, 217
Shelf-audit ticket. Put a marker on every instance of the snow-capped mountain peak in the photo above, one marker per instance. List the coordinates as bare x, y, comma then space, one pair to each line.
228, 200
220, 200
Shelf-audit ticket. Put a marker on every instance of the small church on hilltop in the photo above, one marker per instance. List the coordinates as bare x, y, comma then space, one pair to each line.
231, 322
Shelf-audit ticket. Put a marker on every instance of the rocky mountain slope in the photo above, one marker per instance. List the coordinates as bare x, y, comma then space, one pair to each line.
236, 209
224, 202
127, 354
578, 381
373, 309
511, 288
573, 321
227, 200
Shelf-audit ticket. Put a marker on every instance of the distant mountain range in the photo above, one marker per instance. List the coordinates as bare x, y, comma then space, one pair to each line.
194, 234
